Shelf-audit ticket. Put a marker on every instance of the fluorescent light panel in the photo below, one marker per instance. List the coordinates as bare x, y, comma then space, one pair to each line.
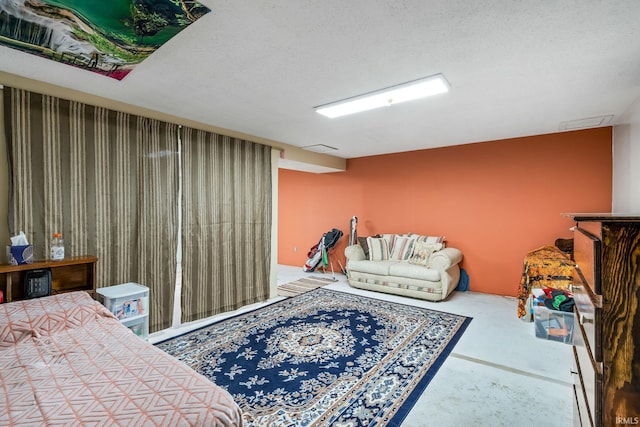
409, 91
590, 122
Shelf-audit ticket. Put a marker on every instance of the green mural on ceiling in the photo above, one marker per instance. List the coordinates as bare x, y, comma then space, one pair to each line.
106, 37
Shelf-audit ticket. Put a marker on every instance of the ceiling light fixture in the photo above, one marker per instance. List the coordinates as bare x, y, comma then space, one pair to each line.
403, 92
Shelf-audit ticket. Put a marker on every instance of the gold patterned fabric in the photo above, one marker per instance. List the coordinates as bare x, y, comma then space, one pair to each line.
545, 267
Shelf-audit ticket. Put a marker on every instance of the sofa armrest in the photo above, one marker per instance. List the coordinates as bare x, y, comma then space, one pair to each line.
354, 253
445, 258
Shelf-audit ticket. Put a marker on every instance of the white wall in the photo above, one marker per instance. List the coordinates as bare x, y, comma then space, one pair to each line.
626, 162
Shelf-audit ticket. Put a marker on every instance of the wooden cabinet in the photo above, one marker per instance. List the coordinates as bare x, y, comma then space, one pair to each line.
69, 274
606, 289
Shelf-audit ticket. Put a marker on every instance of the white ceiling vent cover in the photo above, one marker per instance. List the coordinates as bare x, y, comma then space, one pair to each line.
320, 148
590, 122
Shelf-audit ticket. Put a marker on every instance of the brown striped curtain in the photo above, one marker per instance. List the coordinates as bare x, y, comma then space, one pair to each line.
107, 180
226, 231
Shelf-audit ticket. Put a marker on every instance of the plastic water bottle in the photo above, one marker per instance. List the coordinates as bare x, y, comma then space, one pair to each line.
57, 247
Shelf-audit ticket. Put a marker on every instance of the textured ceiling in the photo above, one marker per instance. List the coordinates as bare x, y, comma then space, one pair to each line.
516, 68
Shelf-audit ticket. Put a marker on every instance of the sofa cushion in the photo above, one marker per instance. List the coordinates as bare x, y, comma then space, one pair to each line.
413, 271
378, 249
391, 240
362, 241
422, 252
427, 239
402, 248
372, 267
363, 244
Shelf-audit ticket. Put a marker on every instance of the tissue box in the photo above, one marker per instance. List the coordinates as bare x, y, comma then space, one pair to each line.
17, 255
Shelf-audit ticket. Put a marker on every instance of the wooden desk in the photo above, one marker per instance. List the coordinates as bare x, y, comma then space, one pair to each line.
67, 275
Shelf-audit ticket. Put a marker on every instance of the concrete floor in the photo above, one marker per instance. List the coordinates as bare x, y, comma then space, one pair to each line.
499, 373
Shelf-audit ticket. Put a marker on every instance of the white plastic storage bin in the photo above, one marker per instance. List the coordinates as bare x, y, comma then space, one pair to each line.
139, 325
129, 302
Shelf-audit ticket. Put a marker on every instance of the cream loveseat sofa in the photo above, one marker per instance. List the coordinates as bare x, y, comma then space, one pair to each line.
409, 265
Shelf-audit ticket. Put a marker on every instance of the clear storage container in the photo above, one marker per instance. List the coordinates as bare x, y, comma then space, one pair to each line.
129, 302
553, 325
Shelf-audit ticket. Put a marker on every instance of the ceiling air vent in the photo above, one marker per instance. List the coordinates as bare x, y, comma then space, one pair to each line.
320, 148
590, 122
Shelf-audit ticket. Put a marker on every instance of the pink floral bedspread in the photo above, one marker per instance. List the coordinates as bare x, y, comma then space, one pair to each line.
65, 360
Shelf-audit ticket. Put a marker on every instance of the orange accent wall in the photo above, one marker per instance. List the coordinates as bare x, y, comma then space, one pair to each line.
494, 200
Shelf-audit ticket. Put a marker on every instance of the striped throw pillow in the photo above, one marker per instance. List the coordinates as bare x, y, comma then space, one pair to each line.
391, 240
402, 248
378, 249
428, 239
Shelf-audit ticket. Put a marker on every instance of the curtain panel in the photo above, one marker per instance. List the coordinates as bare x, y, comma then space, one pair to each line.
226, 226
108, 181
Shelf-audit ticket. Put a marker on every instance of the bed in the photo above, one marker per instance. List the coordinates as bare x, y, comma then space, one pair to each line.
65, 360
